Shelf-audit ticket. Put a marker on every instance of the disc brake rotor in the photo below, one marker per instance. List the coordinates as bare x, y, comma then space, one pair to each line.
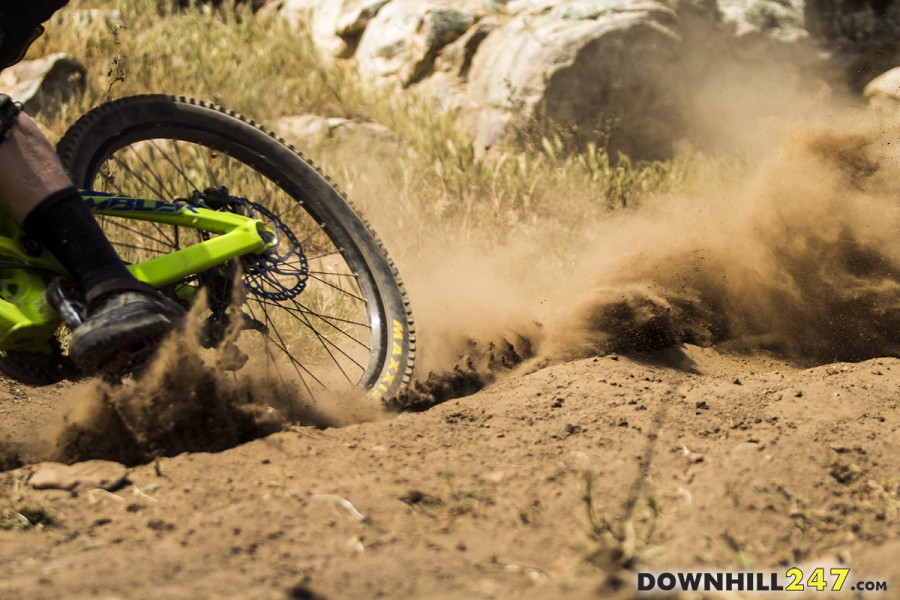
282, 272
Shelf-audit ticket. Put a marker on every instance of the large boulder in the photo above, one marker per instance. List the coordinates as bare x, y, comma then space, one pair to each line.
448, 76
335, 25
780, 19
582, 63
855, 23
41, 85
401, 42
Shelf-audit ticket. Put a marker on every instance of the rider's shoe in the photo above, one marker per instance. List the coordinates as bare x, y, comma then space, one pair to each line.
122, 322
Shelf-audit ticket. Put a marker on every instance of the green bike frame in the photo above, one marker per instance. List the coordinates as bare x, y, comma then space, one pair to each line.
26, 318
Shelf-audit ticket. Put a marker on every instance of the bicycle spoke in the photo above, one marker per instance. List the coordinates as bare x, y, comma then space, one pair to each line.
340, 289
303, 310
328, 319
353, 276
284, 348
305, 240
109, 180
334, 252
210, 176
125, 246
271, 357
178, 168
327, 344
166, 194
155, 191
191, 186
159, 193
117, 223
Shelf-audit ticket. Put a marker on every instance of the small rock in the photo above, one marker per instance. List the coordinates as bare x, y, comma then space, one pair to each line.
92, 474
363, 139
747, 446
495, 476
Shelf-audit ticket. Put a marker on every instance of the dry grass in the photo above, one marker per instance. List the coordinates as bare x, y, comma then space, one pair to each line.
264, 69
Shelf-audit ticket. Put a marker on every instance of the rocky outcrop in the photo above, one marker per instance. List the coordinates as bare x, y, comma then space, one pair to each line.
593, 64
254, 4
402, 41
335, 25
619, 69
581, 62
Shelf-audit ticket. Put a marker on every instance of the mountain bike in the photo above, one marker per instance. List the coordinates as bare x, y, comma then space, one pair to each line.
199, 201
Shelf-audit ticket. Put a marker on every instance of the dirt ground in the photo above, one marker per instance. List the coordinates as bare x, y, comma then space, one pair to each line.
561, 482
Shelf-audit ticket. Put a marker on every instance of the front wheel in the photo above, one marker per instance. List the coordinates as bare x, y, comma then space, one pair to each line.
327, 308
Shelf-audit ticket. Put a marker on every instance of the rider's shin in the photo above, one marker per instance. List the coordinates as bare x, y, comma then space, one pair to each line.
64, 226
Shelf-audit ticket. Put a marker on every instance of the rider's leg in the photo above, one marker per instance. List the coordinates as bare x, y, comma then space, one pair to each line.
29, 169
36, 191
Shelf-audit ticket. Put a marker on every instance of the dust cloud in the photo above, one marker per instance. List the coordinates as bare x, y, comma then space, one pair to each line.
802, 260
798, 257
190, 399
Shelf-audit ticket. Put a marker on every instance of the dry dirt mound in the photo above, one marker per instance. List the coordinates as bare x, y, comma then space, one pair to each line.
560, 483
